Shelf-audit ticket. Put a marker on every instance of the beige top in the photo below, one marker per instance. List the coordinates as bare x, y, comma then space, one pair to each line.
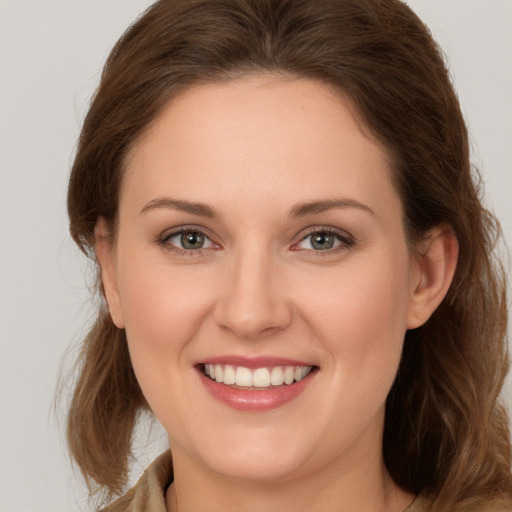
148, 495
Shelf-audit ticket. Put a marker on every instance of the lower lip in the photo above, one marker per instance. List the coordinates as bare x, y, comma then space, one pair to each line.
254, 399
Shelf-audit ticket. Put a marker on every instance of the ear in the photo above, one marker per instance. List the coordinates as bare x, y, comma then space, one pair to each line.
436, 260
105, 251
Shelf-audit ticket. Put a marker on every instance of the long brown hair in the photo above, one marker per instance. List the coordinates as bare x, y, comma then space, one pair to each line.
445, 433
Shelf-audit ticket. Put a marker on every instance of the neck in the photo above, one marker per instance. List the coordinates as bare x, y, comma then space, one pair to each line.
366, 487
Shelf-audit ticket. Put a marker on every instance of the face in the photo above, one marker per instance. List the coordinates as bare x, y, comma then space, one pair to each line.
262, 275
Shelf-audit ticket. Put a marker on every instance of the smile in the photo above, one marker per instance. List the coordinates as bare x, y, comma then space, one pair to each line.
255, 385
257, 378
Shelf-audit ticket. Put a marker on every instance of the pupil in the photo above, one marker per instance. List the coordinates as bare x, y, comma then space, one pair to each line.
192, 240
322, 241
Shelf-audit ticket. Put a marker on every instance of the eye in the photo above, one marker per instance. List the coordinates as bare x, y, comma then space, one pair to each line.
324, 240
187, 240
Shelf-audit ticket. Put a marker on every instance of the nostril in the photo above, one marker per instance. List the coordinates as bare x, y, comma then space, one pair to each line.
252, 321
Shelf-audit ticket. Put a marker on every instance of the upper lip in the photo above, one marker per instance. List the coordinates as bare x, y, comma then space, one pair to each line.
254, 362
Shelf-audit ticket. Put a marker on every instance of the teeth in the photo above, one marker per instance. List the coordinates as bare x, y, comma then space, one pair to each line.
276, 376
289, 374
243, 377
257, 378
261, 378
229, 375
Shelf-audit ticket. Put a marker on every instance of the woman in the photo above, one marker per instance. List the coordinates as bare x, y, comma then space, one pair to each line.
297, 270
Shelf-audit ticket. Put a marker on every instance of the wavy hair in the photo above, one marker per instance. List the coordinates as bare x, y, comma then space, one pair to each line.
445, 433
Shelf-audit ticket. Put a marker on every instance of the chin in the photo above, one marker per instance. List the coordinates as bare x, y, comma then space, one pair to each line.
266, 468
262, 457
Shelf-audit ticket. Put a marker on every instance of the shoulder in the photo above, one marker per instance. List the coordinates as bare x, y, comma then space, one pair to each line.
420, 504
423, 504
148, 495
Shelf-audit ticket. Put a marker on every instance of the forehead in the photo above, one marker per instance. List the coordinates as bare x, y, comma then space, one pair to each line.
255, 137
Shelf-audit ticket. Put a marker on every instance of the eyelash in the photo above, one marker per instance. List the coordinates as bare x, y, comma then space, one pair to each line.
178, 251
346, 241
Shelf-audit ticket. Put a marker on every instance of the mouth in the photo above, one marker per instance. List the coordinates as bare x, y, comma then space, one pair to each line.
264, 378
255, 385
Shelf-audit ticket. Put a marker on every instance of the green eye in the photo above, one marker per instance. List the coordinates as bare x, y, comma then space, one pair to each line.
322, 241
325, 240
188, 240
192, 240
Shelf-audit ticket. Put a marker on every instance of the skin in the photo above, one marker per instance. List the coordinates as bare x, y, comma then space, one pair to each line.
252, 149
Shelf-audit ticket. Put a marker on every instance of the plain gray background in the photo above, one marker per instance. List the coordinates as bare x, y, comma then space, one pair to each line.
51, 54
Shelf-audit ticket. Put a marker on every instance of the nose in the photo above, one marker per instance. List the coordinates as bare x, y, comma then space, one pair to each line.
254, 301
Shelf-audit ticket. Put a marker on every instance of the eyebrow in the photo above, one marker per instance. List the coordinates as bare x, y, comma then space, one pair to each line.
201, 209
313, 207
298, 210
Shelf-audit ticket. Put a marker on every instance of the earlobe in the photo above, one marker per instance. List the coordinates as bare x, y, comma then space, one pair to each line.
436, 261
106, 256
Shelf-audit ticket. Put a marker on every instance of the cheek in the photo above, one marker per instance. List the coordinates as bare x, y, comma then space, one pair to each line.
361, 318
162, 308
